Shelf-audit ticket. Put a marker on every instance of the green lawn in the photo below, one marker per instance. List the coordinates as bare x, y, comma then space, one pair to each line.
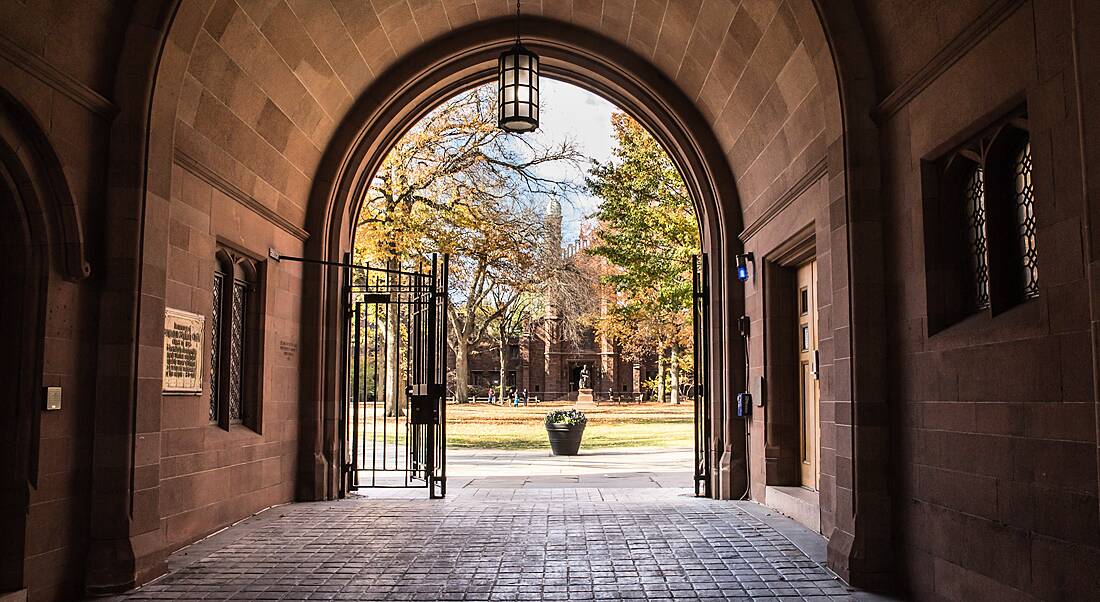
634, 425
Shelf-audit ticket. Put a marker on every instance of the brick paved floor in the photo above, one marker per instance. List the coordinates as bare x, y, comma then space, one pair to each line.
502, 544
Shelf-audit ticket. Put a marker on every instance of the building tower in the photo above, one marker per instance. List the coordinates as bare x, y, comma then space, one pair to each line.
553, 228
555, 378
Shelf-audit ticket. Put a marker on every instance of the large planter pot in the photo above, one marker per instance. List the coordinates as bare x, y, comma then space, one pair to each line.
565, 439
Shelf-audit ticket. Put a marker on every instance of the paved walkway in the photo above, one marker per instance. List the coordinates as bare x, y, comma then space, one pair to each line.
505, 544
513, 527
639, 467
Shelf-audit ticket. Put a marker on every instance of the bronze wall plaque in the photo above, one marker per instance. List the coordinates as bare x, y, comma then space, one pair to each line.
183, 352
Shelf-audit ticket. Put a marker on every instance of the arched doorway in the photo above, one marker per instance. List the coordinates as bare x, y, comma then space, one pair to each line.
469, 60
533, 324
41, 242
14, 281
20, 290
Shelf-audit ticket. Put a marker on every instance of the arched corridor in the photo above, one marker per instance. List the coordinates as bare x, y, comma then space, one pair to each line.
906, 187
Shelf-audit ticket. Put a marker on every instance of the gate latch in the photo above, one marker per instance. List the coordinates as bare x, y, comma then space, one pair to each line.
424, 403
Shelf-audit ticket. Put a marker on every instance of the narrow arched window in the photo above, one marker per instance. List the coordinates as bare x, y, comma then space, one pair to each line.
980, 225
974, 198
233, 317
1024, 196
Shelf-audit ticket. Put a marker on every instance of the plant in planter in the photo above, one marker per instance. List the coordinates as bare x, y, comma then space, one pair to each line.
564, 428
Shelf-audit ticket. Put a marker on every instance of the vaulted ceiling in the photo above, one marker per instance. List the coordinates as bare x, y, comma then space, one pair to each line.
270, 81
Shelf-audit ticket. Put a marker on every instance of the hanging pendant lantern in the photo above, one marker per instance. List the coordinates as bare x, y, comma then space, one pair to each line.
518, 87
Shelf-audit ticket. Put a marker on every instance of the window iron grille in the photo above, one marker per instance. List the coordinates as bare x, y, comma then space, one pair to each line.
1025, 220
236, 350
215, 344
976, 233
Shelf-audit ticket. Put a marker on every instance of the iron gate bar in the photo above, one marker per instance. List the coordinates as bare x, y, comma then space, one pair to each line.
395, 349
695, 366
419, 298
374, 403
356, 390
700, 319
411, 437
439, 364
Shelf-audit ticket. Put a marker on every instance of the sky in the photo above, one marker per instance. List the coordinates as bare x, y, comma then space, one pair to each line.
567, 112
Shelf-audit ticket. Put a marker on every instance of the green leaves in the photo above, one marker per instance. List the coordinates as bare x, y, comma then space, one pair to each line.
570, 417
457, 184
649, 232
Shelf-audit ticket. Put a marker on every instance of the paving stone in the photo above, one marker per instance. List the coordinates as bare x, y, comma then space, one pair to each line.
500, 544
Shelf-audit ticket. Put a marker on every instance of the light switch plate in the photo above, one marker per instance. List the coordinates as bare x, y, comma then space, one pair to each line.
53, 398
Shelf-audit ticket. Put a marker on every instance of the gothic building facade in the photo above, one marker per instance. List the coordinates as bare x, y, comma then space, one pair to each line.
546, 364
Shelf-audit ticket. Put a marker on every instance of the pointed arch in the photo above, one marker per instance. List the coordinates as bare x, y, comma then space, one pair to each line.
36, 172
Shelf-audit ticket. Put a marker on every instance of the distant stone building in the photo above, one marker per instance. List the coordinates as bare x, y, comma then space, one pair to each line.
546, 366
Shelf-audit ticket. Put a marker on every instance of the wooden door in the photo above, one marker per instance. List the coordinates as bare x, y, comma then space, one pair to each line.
809, 424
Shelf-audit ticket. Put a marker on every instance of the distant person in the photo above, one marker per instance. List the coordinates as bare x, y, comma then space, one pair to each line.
526, 397
491, 395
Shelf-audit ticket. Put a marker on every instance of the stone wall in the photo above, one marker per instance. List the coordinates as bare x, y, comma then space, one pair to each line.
994, 425
57, 72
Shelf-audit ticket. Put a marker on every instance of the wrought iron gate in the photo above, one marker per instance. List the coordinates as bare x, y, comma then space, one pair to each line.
394, 418
700, 321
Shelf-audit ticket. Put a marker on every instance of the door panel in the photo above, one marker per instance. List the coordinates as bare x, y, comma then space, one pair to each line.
808, 402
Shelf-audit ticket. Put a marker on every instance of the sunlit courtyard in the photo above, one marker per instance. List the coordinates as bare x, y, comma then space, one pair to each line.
657, 425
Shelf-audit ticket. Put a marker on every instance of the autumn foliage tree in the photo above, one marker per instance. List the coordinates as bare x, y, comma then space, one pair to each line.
648, 233
457, 184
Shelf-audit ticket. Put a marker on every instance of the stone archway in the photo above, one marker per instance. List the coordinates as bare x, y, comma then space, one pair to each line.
657, 75
847, 214
458, 62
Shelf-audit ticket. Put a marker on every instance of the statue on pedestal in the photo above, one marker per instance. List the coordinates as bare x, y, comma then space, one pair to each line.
584, 377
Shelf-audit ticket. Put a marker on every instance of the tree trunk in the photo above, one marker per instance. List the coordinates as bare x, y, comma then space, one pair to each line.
674, 367
462, 371
395, 390
503, 357
395, 387
661, 376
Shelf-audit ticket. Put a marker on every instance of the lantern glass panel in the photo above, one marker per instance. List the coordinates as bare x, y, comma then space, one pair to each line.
517, 104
